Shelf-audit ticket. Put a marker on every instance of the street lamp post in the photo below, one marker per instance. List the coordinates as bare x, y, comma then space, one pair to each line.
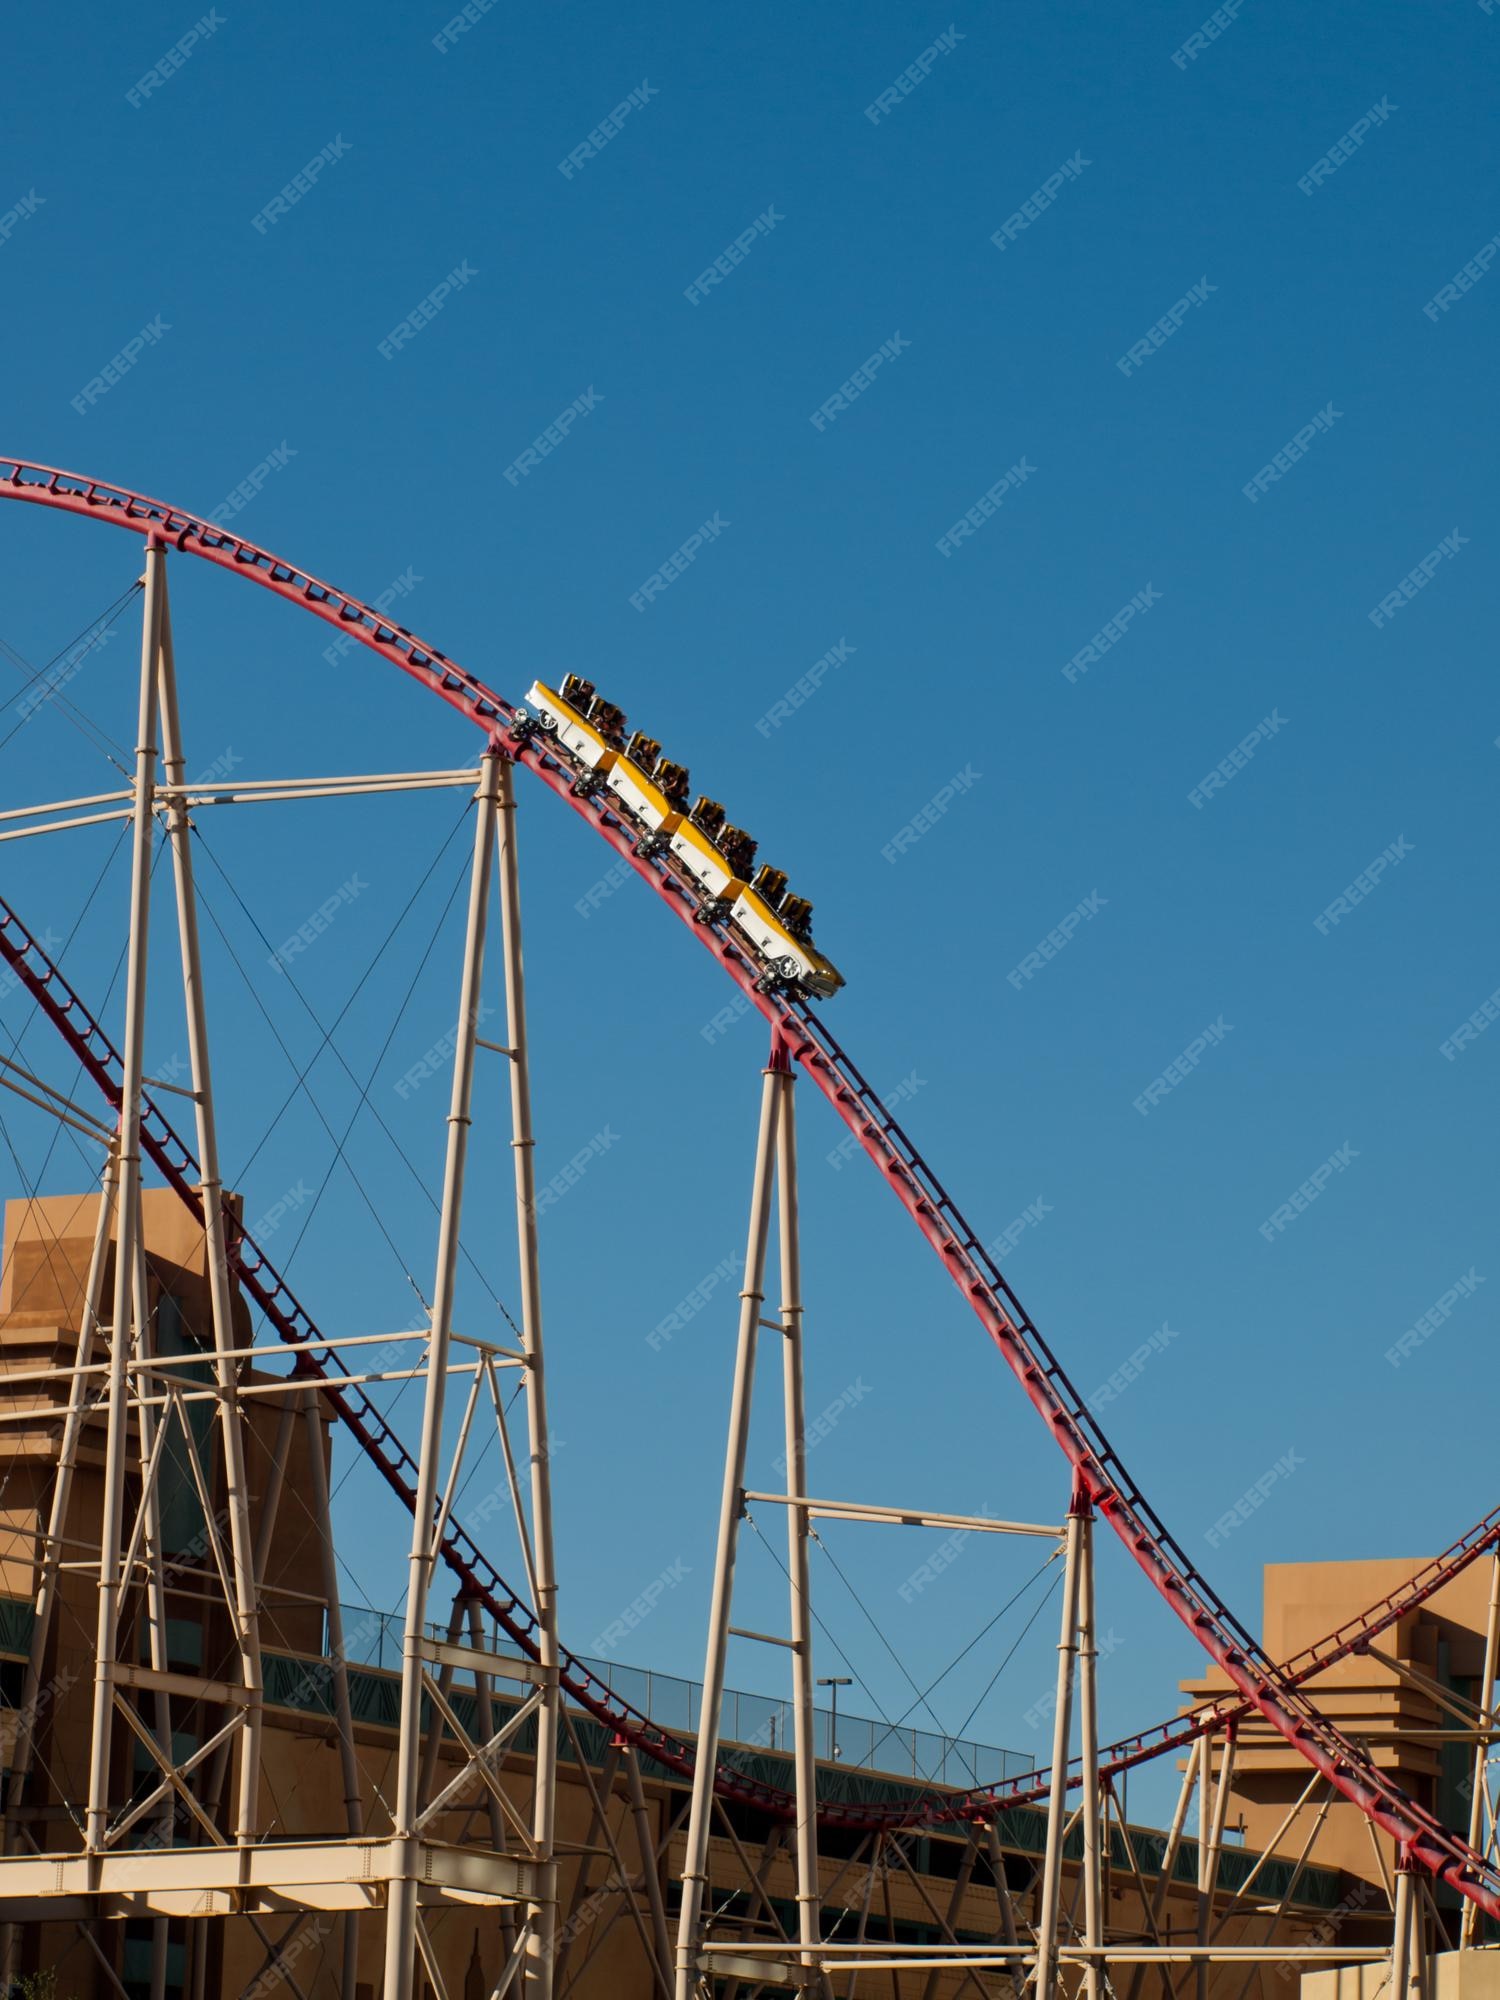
834, 1682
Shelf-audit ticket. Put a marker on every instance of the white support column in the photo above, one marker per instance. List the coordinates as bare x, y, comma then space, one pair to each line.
1165, 1871
809, 1898
1403, 1934
1211, 1815
245, 1608
1062, 1732
354, 1819
132, 1043
401, 1906
1205, 1817
498, 1840
541, 1916
1088, 1724
1469, 1933
752, 1295
156, 1588
647, 1847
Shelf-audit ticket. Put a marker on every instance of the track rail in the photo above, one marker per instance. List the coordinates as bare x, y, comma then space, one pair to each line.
1099, 1471
295, 1325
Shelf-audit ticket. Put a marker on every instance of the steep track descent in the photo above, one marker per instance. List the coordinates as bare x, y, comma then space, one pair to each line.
1259, 1683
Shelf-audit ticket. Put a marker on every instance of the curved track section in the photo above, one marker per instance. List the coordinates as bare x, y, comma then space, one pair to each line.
475, 1573
1099, 1472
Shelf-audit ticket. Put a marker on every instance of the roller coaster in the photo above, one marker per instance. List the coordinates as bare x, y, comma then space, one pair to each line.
595, 773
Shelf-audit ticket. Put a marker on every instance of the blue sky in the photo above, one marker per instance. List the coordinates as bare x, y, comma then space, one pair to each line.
1279, 310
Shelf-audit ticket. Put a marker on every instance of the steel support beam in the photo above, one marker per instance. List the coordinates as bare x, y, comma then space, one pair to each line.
243, 1609
401, 1908
1404, 1934
799, 1577
1062, 1732
1095, 1970
343, 1714
1469, 1934
541, 1916
752, 1294
132, 1045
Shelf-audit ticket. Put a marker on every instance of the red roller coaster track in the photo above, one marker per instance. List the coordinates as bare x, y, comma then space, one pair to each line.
1272, 1691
